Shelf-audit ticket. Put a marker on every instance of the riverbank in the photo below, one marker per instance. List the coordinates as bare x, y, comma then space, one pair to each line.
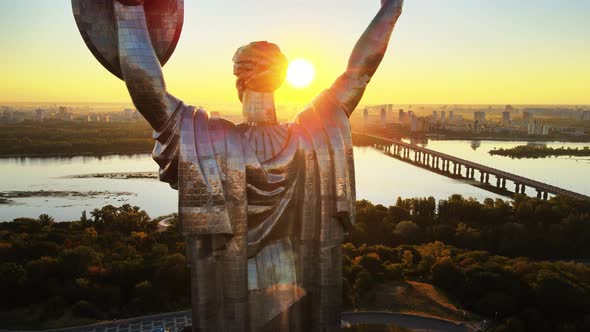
8, 197
77, 154
538, 152
505, 139
66, 138
117, 176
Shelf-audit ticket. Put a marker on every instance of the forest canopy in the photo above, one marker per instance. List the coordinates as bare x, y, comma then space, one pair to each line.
520, 262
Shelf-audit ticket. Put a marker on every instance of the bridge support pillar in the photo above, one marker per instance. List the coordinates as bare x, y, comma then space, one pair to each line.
545, 195
523, 189
482, 177
487, 177
539, 194
498, 182
503, 183
517, 188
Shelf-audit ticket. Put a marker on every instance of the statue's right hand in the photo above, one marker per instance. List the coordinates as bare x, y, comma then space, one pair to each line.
131, 2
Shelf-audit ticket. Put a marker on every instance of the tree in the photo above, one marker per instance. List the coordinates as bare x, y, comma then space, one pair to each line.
409, 231
84, 309
75, 262
446, 275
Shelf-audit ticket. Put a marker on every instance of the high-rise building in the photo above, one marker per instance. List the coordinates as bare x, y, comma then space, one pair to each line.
402, 116
383, 116
538, 128
365, 117
128, 113
451, 115
443, 116
39, 114
527, 116
413, 122
64, 114
505, 118
479, 117
390, 113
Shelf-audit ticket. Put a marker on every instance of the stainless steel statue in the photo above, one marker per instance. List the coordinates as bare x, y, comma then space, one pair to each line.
264, 206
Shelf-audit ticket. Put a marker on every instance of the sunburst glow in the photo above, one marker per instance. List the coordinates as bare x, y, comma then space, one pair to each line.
300, 73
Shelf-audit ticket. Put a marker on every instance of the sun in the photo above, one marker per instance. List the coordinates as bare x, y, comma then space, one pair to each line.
300, 73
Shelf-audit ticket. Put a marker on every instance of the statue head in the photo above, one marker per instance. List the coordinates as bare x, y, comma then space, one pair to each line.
259, 67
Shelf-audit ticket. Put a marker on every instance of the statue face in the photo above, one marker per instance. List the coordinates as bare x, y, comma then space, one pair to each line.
260, 67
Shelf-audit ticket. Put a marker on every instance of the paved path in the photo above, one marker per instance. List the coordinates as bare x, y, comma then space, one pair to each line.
411, 322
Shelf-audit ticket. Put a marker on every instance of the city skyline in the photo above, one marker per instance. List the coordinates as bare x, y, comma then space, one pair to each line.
442, 52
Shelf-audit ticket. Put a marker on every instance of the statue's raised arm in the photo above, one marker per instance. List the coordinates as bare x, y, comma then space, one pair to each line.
367, 55
140, 65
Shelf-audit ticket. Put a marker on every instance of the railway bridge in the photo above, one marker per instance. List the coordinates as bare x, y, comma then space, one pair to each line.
463, 169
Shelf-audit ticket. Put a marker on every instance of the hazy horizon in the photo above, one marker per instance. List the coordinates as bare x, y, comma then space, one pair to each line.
442, 52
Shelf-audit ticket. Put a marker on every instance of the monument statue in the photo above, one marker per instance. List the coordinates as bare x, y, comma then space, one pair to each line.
264, 206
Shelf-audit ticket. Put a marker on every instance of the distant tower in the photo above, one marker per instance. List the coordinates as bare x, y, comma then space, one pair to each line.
390, 112
383, 116
39, 114
402, 116
413, 122
505, 118
451, 115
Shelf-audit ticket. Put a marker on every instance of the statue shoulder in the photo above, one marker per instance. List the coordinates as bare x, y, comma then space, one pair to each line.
324, 109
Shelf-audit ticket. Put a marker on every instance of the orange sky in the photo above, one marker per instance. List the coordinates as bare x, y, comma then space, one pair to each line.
443, 51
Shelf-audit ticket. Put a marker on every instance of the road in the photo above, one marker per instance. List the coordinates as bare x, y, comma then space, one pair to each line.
411, 322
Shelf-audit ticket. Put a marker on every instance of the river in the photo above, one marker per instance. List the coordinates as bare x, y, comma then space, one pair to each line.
50, 188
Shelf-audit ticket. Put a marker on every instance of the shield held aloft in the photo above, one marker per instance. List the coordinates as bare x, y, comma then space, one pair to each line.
97, 25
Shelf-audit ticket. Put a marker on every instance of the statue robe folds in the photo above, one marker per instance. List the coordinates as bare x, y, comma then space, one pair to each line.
266, 235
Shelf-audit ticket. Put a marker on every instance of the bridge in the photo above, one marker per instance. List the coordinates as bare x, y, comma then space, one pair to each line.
458, 168
180, 321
